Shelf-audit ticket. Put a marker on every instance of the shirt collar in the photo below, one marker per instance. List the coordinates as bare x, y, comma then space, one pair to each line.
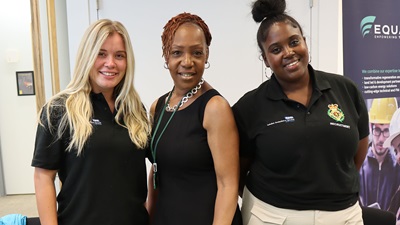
96, 96
319, 82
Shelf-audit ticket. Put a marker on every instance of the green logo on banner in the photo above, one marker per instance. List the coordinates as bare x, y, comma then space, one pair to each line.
366, 24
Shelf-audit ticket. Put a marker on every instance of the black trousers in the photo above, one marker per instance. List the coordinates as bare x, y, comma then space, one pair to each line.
374, 216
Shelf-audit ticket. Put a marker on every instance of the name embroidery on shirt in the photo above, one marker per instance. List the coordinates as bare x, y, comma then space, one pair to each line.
95, 122
287, 119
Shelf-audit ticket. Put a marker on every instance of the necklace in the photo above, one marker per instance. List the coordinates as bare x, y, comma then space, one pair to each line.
185, 98
153, 145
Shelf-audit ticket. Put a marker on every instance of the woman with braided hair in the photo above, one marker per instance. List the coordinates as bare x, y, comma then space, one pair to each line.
303, 133
194, 144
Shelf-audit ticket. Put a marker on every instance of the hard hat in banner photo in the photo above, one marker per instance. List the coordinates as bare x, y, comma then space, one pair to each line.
394, 129
382, 110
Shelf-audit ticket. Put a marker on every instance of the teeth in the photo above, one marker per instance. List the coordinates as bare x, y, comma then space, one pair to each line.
293, 63
186, 75
108, 74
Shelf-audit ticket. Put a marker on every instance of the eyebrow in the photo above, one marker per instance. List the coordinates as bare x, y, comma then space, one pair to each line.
199, 45
102, 49
291, 37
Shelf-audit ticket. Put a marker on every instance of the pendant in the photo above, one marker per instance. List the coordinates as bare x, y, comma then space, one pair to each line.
155, 177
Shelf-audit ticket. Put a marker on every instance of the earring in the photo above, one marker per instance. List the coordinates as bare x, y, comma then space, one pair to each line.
207, 65
165, 65
268, 76
309, 57
265, 73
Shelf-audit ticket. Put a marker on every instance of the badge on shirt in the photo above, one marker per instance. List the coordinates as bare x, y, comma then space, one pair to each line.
335, 112
95, 122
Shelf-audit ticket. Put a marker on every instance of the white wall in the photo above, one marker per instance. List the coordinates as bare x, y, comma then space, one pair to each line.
18, 113
62, 43
327, 22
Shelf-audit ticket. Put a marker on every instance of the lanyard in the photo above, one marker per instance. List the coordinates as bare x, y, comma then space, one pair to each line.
153, 148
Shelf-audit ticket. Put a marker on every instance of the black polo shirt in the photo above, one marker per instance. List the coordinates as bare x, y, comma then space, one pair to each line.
303, 156
107, 183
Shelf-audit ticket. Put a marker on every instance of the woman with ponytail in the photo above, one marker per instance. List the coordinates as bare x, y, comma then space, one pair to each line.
303, 133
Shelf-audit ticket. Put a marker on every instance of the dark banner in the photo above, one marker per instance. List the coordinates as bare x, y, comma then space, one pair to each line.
371, 46
371, 53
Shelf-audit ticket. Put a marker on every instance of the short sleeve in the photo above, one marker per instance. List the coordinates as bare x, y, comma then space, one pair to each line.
49, 149
246, 146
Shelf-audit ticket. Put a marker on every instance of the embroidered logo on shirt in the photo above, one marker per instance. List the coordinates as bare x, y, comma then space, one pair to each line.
335, 112
288, 119
95, 122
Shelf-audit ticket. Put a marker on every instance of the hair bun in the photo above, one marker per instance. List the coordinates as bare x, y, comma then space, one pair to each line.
267, 8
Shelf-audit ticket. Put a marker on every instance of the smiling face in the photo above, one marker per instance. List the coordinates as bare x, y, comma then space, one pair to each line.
187, 56
110, 65
286, 52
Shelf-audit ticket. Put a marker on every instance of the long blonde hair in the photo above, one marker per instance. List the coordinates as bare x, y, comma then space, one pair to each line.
78, 111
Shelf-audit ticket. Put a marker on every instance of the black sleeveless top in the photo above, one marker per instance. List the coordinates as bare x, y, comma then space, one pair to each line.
187, 184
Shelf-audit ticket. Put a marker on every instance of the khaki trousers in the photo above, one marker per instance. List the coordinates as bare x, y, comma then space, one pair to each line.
257, 212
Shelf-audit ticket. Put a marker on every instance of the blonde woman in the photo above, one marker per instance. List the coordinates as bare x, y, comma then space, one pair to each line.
93, 134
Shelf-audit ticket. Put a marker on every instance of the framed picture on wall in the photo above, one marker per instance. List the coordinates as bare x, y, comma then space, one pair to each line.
25, 83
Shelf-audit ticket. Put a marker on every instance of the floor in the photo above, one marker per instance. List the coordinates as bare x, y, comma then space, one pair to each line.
18, 204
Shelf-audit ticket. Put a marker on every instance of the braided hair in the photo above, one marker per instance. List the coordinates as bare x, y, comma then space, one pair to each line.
174, 23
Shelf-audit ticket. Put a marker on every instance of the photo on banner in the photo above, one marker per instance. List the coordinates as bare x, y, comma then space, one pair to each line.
371, 43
